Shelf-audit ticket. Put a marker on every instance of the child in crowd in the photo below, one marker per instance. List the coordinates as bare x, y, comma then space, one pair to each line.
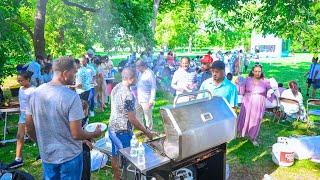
47, 73
24, 94
110, 81
100, 88
281, 88
229, 76
87, 145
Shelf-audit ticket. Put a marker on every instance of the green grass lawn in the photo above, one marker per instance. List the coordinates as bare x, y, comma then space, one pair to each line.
245, 160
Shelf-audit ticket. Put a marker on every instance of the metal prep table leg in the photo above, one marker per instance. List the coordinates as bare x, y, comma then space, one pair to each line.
5, 127
4, 141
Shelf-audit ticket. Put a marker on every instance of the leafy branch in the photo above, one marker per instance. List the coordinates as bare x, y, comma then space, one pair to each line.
84, 8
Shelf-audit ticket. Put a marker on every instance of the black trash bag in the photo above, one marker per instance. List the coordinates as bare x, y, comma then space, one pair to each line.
21, 175
16, 174
2, 166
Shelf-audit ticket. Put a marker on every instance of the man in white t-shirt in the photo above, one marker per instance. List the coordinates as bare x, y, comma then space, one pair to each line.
293, 110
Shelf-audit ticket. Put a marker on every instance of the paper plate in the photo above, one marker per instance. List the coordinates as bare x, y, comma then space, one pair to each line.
92, 126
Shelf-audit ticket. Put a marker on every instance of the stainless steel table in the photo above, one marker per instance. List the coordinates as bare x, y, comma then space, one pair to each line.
6, 111
152, 159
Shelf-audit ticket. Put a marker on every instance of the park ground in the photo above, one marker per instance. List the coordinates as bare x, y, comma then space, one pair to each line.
245, 161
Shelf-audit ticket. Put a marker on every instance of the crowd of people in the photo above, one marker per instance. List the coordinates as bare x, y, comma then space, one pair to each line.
57, 98
55, 112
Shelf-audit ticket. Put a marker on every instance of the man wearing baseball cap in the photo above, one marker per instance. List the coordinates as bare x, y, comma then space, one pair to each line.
219, 85
206, 62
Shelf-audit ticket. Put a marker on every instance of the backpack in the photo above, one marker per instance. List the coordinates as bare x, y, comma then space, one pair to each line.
13, 174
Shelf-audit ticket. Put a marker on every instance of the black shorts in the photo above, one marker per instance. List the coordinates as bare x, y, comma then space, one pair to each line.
109, 81
309, 81
316, 84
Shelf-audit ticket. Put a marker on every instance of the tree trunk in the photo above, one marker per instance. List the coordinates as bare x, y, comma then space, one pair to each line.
40, 19
155, 13
61, 35
153, 22
190, 44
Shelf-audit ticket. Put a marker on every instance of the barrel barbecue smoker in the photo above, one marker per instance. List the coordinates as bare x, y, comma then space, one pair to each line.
194, 145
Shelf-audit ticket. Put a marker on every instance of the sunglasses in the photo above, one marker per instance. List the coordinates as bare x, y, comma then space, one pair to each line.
258, 65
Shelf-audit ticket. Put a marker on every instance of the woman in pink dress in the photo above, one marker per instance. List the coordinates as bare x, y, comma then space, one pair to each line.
254, 93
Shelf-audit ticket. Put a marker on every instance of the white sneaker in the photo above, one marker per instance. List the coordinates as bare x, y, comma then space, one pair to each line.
91, 113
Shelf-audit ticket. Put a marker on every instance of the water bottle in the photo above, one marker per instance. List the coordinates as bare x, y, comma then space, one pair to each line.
141, 158
133, 145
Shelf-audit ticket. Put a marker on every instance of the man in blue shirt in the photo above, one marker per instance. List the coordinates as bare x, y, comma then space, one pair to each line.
35, 68
83, 79
219, 85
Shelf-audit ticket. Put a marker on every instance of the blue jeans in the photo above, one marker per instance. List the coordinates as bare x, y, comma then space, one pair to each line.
119, 140
91, 99
70, 170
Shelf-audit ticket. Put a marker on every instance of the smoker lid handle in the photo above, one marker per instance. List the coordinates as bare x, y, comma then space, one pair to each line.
191, 93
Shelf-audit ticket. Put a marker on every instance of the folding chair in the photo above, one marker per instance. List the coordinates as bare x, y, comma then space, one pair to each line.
316, 112
276, 110
289, 101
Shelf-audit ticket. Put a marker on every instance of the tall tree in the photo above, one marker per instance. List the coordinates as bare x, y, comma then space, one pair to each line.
40, 20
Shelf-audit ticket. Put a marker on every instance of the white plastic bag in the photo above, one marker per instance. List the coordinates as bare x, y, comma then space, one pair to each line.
98, 160
306, 147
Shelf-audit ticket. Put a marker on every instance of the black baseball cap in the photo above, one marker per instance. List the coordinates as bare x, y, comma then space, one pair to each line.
218, 65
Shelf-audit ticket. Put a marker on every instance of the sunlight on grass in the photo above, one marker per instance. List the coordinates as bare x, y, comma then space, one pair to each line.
260, 156
236, 147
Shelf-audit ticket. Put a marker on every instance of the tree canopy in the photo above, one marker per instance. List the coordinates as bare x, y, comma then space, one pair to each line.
14, 42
